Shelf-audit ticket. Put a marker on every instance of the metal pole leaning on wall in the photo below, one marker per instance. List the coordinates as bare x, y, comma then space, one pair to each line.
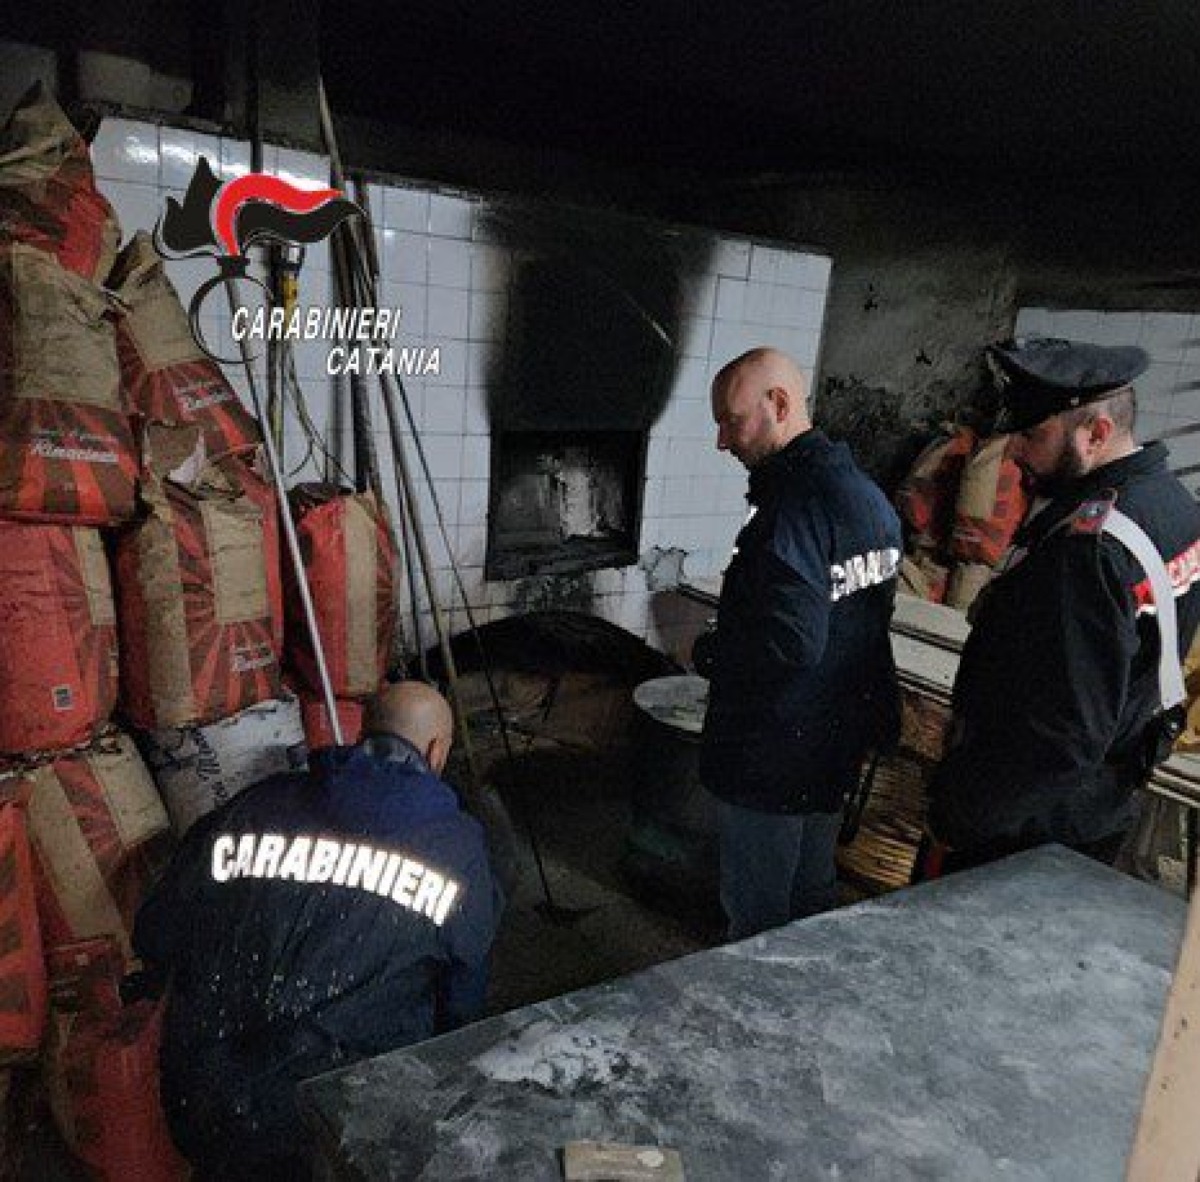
406, 495
267, 427
367, 274
354, 286
366, 462
393, 397
289, 527
404, 474
404, 491
370, 283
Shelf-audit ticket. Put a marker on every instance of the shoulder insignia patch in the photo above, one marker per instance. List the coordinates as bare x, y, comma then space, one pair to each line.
1089, 518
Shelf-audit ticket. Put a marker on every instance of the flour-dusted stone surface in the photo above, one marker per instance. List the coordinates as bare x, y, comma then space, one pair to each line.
996, 1024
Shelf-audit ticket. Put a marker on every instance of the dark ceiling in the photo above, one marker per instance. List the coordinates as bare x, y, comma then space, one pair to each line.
1055, 90
1094, 92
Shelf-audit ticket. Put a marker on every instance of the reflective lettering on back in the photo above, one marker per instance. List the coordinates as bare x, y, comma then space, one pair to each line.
245, 856
270, 848
367, 868
324, 859
430, 891
449, 894
325, 862
295, 863
406, 883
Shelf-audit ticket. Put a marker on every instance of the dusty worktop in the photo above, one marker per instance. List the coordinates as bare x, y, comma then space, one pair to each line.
994, 1024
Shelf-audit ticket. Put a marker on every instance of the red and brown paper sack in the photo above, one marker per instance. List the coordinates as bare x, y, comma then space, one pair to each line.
22, 971
99, 835
991, 505
927, 496
347, 552
967, 580
251, 472
194, 600
167, 378
1190, 739
318, 728
923, 577
66, 450
102, 1069
58, 637
48, 196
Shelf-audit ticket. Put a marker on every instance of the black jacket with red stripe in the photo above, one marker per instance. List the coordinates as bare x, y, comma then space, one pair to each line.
1059, 677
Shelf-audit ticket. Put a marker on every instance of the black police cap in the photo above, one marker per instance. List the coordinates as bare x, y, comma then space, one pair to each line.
1044, 376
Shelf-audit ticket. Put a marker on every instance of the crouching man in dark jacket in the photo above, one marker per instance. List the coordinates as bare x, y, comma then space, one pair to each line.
314, 920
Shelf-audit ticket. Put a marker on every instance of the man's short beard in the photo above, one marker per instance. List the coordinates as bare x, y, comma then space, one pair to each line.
1069, 466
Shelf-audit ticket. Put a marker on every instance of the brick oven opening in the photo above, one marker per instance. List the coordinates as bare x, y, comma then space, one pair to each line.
564, 501
596, 311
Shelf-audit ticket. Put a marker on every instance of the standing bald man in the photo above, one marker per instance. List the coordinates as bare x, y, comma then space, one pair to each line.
316, 919
803, 683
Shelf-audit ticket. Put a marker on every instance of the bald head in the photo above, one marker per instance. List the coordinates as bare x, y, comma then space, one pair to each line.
759, 404
416, 712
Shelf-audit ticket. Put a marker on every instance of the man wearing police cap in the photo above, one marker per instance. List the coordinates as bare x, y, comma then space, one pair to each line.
1057, 701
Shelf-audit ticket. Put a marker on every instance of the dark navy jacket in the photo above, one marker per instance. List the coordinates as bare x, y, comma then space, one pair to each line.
803, 682
313, 920
1059, 676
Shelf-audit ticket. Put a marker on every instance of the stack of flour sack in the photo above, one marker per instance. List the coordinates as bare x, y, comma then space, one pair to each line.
961, 502
151, 661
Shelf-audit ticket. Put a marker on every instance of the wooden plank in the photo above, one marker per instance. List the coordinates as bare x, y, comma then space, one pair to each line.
595, 1161
1167, 1145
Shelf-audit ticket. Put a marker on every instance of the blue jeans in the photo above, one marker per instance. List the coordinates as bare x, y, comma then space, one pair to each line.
775, 867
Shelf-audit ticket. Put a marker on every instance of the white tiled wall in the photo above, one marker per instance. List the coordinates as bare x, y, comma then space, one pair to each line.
452, 283
1169, 391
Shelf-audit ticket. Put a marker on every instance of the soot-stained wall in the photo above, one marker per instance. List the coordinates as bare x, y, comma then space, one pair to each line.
920, 282
597, 312
925, 275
